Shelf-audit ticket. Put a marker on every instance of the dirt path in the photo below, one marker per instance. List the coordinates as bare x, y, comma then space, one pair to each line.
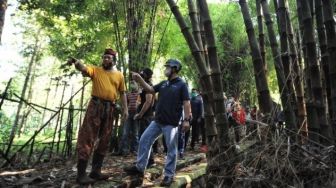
62, 173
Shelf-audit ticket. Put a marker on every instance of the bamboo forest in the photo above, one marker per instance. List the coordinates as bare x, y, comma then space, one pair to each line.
171, 93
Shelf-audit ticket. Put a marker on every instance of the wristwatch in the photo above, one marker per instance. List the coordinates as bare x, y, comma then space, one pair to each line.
187, 119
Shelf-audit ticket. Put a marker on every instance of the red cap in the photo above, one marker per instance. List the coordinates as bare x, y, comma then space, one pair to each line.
110, 51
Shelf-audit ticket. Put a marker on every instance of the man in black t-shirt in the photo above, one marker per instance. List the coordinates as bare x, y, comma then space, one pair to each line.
173, 99
145, 111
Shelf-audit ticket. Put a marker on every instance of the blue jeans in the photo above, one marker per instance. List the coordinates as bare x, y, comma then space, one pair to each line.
130, 130
148, 138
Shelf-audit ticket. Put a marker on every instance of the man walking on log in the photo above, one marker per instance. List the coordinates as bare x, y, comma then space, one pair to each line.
95, 132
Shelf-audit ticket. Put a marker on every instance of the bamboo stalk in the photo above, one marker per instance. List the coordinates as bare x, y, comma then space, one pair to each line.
329, 22
199, 59
297, 77
284, 90
261, 34
312, 120
218, 96
4, 94
324, 63
314, 70
208, 110
264, 97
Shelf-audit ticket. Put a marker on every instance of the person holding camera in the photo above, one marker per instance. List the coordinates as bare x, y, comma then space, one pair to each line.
107, 85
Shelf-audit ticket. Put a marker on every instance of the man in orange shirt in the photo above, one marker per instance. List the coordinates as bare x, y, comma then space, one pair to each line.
107, 85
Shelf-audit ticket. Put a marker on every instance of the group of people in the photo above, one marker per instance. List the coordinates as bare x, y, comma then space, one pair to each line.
242, 118
174, 112
141, 109
146, 117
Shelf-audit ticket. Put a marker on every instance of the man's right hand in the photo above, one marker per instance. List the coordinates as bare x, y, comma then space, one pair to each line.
71, 61
185, 126
137, 116
136, 76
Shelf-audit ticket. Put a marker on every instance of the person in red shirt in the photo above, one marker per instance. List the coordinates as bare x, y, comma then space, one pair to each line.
237, 119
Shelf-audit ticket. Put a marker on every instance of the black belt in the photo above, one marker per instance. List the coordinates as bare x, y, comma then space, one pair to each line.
102, 100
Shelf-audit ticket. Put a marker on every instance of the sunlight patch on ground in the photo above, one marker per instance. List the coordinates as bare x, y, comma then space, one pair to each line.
186, 177
10, 173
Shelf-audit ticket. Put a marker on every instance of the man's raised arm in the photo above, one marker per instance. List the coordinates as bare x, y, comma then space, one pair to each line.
142, 82
78, 65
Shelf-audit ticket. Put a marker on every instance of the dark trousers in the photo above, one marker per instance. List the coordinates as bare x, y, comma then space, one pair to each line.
251, 128
195, 131
164, 145
129, 140
203, 133
97, 125
182, 139
236, 127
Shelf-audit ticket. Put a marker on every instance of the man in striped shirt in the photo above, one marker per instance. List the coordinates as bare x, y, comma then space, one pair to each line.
130, 128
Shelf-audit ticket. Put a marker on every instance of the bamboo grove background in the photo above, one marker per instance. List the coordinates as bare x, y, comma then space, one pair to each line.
265, 52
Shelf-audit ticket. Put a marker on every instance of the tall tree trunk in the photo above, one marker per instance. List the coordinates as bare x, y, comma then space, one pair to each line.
146, 54
297, 77
264, 97
314, 71
285, 55
140, 32
23, 94
61, 117
118, 37
195, 24
204, 42
4, 94
261, 34
22, 125
46, 102
132, 25
206, 83
208, 110
219, 106
324, 66
3, 7
312, 119
222, 139
329, 23
284, 89
58, 122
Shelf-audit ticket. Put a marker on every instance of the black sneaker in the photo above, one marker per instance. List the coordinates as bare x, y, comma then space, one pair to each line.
167, 181
118, 154
181, 156
133, 170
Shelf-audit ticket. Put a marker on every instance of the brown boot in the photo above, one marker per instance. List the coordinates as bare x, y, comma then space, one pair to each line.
97, 162
82, 178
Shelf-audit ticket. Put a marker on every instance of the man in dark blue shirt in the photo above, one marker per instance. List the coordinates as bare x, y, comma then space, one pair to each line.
172, 100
